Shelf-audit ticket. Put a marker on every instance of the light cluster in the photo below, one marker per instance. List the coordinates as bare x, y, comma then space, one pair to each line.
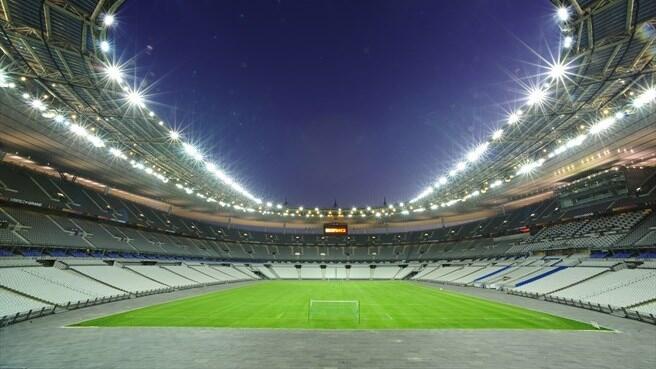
536, 97
136, 98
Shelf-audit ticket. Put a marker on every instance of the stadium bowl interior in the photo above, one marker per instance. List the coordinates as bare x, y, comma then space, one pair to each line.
117, 252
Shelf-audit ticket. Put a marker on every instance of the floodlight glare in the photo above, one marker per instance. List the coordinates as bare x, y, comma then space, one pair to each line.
568, 41
530, 167
192, 151
104, 46
114, 73
135, 98
38, 105
602, 125
476, 154
536, 96
514, 117
646, 97
108, 19
557, 71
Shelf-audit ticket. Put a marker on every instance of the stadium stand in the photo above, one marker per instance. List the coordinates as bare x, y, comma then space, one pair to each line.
162, 234
213, 273
156, 252
605, 283
41, 288
646, 309
511, 276
13, 305
439, 272
456, 275
74, 281
121, 278
268, 273
311, 271
559, 279
191, 274
162, 275
406, 271
359, 272
335, 272
385, 271
480, 274
246, 270
285, 271
232, 273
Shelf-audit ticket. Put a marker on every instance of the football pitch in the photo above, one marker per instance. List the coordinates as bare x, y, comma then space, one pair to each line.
337, 305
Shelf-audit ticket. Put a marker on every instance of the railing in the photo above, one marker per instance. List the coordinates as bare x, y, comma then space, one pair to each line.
89, 302
607, 309
20, 317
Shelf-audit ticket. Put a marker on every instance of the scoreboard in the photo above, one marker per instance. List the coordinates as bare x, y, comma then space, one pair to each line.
335, 229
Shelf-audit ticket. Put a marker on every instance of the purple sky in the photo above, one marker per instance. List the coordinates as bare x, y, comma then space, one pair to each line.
320, 100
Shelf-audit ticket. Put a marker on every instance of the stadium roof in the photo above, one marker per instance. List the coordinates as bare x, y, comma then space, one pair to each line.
66, 101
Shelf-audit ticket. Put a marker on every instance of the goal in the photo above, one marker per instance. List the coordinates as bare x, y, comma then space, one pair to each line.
334, 310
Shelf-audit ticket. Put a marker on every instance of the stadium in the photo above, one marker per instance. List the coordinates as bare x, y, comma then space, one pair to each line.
125, 242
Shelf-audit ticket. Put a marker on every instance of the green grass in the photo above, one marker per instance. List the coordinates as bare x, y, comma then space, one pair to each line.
382, 305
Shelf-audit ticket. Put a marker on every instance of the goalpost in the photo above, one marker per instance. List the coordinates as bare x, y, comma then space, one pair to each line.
334, 310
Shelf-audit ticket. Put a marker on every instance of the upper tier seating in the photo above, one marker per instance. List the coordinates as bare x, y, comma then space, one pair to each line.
638, 234
44, 230
602, 232
155, 233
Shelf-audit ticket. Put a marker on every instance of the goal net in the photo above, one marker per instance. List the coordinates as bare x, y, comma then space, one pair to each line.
334, 310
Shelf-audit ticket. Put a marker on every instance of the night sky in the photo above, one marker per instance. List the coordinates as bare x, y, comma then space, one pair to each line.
312, 101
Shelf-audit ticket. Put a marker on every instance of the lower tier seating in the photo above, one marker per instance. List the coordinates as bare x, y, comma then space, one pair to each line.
12, 303
559, 279
162, 275
121, 278
30, 284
